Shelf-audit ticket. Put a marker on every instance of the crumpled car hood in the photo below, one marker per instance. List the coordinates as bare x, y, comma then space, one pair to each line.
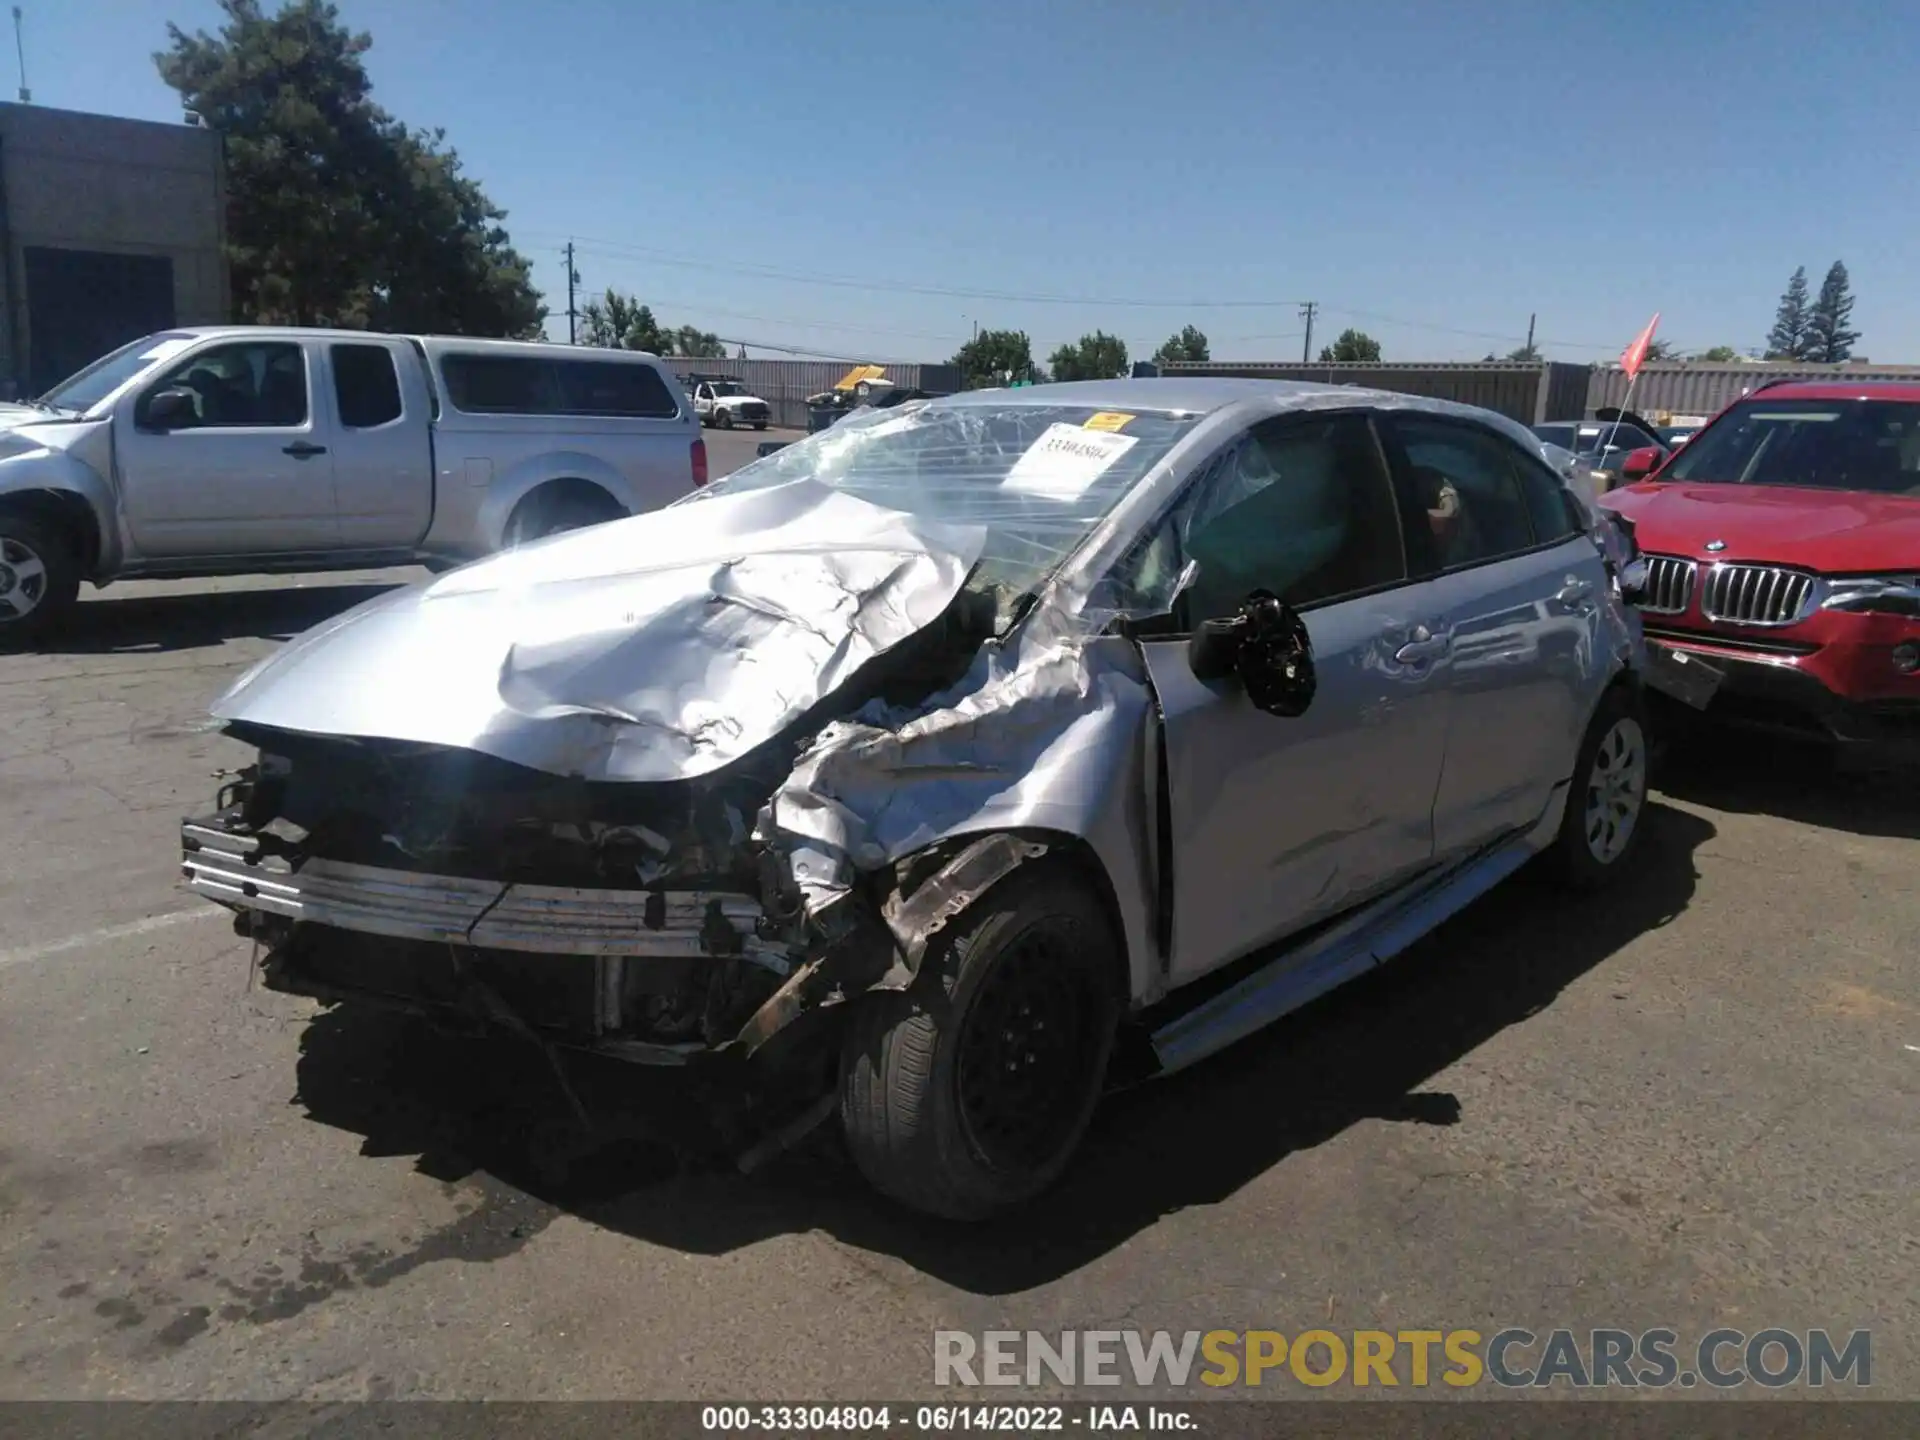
661, 647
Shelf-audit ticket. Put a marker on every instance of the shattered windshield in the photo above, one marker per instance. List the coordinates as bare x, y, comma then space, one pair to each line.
1038, 477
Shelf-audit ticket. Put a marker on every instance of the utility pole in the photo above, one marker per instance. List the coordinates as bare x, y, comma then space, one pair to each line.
1306, 313
1530, 320
573, 279
20, 48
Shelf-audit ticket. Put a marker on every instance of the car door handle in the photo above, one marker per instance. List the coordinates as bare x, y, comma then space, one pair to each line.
1422, 646
301, 450
1575, 594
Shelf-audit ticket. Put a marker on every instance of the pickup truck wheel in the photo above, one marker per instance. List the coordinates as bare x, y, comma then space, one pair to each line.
39, 579
723, 419
759, 424
542, 514
968, 1092
1606, 804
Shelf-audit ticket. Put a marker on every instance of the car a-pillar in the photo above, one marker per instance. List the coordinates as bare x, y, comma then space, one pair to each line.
48, 541
967, 1092
558, 506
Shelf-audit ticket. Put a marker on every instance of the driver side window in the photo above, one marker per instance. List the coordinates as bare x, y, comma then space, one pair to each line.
1301, 507
252, 384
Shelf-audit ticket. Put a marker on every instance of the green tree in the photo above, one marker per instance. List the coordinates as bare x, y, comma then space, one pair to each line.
1189, 344
1662, 350
1527, 354
1351, 345
337, 213
1829, 341
1720, 355
1788, 338
697, 344
994, 357
1098, 356
619, 322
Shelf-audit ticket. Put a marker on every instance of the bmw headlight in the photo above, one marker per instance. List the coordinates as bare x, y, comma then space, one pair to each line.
1874, 594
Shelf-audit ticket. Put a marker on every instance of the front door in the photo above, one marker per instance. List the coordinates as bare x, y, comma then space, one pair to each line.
1519, 588
248, 473
1279, 823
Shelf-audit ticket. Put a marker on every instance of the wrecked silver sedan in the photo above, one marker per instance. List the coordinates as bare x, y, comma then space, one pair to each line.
947, 765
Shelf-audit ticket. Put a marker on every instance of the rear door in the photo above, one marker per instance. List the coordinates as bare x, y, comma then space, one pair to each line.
252, 471
382, 448
1278, 823
1518, 586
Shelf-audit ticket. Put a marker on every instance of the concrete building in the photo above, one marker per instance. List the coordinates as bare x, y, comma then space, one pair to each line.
109, 229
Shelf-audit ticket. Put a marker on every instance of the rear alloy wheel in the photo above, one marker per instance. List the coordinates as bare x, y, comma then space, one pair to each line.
39, 579
968, 1093
1607, 802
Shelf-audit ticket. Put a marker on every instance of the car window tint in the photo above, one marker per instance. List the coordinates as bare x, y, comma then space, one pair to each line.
501, 385
1468, 489
366, 384
253, 384
615, 387
1302, 508
1551, 510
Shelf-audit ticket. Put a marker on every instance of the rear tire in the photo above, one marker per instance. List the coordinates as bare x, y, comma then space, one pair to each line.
1606, 804
956, 1097
39, 579
545, 513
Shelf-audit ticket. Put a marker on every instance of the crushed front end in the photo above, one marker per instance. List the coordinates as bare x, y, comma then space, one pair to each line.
641, 923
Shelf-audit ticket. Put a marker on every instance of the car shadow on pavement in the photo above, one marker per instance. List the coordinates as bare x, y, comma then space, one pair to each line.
193, 621
1363, 1053
1747, 773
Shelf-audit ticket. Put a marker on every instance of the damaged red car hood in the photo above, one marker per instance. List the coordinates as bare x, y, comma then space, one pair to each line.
1832, 531
660, 647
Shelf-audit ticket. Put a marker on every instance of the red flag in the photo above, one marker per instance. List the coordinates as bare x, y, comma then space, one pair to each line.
1635, 355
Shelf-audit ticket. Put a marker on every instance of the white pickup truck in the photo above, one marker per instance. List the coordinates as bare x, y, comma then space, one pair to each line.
723, 402
253, 449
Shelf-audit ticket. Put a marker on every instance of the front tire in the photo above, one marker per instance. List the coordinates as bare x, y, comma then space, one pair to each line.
39, 579
723, 419
1606, 804
759, 424
969, 1092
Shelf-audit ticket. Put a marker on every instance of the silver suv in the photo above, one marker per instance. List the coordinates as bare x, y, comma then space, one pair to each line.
901, 775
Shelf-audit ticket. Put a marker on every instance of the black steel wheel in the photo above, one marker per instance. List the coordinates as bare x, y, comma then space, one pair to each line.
968, 1093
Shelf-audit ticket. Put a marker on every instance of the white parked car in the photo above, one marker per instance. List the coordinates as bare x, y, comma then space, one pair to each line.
247, 448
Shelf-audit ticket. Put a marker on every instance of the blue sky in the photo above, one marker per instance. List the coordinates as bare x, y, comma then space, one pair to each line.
1431, 173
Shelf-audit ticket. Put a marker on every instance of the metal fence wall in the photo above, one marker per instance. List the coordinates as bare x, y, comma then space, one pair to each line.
1529, 393
786, 384
1702, 389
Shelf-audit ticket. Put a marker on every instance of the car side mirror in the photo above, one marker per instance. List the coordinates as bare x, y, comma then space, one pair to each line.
1640, 463
1265, 645
171, 409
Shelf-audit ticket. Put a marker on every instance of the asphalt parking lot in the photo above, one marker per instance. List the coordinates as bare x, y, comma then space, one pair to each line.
1693, 1101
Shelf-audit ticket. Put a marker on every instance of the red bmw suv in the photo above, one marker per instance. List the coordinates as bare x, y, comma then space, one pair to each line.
1783, 550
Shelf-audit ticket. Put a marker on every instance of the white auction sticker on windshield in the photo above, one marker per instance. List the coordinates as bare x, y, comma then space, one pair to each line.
1065, 460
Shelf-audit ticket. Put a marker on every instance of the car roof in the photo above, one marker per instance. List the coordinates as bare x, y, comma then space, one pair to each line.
1907, 392
1190, 394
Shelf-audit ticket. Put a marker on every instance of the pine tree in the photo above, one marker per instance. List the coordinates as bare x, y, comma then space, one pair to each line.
1829, 341
1788, 338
